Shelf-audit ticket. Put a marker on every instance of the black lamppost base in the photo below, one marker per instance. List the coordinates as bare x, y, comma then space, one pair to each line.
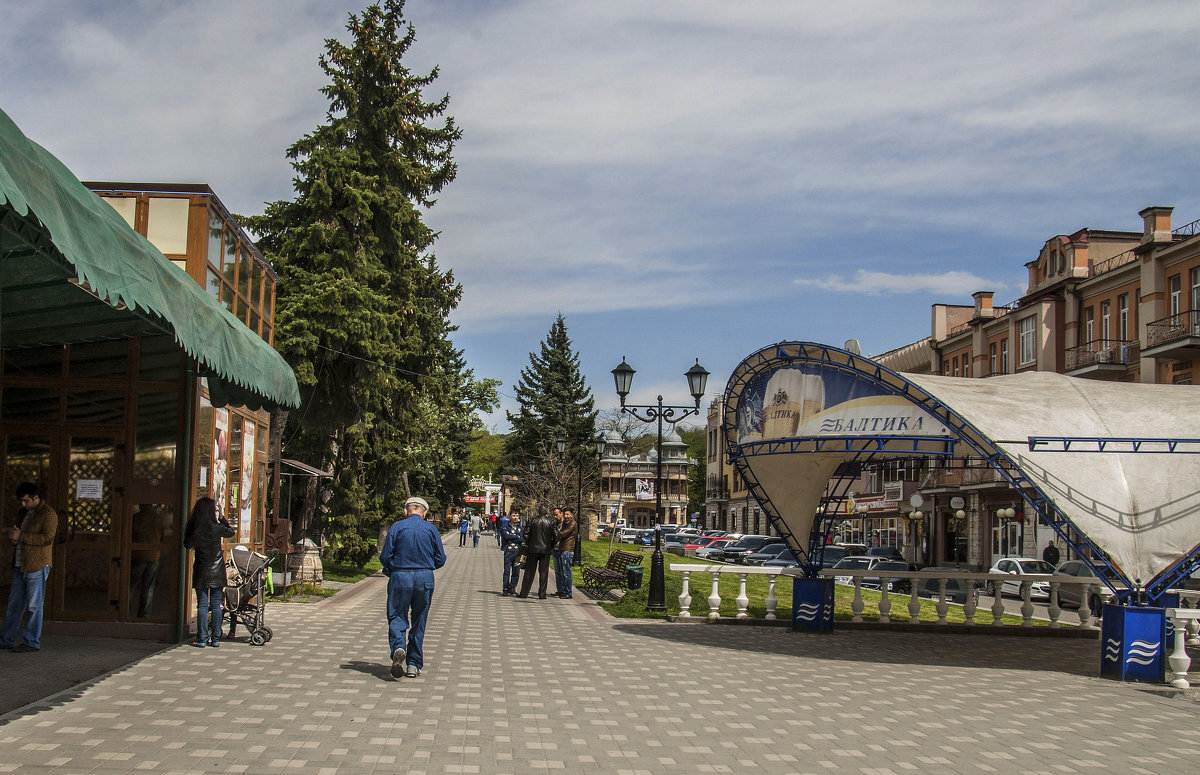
656, 596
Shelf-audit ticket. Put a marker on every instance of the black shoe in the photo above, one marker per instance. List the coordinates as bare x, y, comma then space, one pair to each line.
541, 597
24, 648
398, 663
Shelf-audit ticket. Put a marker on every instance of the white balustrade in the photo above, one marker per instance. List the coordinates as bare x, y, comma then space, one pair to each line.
1179, 662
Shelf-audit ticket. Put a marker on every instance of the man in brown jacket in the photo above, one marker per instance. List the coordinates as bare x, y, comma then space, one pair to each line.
34, 544
564, 552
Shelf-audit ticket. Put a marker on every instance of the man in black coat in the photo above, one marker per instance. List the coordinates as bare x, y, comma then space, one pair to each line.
1050, 553
540, 535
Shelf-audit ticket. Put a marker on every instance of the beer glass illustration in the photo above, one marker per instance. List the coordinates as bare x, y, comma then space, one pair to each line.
792, 398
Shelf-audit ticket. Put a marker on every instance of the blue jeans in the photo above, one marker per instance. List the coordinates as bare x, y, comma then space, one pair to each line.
208, 614
512, 571
26, 596
562, 571
409, 594
475, 538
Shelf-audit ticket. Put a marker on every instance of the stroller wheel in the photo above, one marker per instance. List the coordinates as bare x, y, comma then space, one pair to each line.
266, 631
257, 638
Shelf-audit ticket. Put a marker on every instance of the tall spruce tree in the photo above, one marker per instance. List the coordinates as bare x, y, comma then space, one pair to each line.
554, 401
361, 304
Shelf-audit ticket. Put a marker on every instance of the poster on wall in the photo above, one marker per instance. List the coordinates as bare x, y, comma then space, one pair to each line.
813, 401
644, 489
246, 493
220, 459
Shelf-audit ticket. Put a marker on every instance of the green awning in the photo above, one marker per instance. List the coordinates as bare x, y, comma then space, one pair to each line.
72, 270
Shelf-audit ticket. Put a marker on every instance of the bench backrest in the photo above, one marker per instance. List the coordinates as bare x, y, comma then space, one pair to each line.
618, 560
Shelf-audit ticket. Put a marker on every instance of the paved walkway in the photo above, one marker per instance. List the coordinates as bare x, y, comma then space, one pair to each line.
513, 686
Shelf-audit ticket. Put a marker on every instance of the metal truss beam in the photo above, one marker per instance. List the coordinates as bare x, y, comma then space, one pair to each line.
1113, 444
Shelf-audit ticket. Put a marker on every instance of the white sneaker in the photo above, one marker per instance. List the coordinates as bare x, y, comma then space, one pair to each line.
398, 663
413, 672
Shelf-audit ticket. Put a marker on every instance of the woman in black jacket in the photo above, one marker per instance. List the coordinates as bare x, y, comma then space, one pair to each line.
203, 534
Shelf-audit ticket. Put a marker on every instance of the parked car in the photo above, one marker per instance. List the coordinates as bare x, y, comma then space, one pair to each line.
853, 550
629, 535
714, 549
957, 590
1018, 567
832, 554
783, 561
699, 542
859, 562
768, 552
1070, 595
892, 584
745, 545
676, 540
889, 552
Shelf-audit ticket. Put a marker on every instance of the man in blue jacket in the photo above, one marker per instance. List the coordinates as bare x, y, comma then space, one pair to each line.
411, 553
510, 537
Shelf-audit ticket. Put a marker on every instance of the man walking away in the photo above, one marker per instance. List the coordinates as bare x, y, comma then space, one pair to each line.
476, 529
564, 554
510, 536
539, 542
411, 553
33, 540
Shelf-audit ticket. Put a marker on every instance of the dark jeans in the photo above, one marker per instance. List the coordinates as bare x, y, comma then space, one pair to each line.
462, 538
142, 575
512, 571
410, 593
562, 571
540, 561
208, 614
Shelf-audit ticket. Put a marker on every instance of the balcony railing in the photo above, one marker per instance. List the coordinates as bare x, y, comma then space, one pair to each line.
1103, 351
1116, 262
1171, 329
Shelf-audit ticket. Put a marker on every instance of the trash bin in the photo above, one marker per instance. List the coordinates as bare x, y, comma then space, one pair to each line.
633, 576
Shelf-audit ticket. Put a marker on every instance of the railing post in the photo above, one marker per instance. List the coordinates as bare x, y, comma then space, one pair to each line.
914, 603
772, 602
1085, 608
943, 606
997, 602
714, 600
1179, 659
1026, 604
885, 603
743, 602
857, 604
685, 598
970, 604
1055, 611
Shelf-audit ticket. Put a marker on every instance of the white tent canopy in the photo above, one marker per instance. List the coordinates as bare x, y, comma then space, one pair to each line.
795, 411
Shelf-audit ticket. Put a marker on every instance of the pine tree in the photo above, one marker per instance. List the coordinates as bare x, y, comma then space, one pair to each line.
362, 304
554, 401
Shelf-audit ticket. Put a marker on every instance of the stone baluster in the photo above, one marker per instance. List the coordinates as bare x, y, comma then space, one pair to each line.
685, 597
1179, 660
856, 605
714, 600
969, 605
1085, 609
914, 603
772, 602
1026, 604
943, 605
742, 601
998, 602
1054, 610
885, 602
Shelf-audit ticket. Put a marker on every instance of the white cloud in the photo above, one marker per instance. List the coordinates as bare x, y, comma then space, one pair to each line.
945, 285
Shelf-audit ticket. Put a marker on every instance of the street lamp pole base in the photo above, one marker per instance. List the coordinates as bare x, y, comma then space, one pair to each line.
656, 596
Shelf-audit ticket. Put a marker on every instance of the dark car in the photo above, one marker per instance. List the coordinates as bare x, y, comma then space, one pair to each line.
1069, 595
891, 584
890, 552
745, 545
957, 590
832, 554
769, 552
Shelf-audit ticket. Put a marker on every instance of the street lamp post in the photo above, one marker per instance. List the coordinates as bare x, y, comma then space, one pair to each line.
697, 378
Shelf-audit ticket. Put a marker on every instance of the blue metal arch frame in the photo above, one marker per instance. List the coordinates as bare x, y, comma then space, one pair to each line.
891, 382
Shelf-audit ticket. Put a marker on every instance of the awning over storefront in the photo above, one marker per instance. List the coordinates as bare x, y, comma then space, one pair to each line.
74, 271
796, 410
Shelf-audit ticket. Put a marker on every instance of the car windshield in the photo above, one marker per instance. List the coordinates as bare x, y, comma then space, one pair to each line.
1036, 566
854, 562
750, 543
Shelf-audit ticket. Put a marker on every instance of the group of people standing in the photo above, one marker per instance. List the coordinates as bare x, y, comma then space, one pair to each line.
542, 538
472, 524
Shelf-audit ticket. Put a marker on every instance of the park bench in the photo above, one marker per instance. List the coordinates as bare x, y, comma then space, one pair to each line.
602, 579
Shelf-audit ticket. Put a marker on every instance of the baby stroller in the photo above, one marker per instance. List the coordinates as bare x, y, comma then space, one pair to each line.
246, 595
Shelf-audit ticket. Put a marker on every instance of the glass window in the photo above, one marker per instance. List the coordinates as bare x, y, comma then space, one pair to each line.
992, 357
204, 449
268, 297
157, 429
1004, 355
215, 227
243, 283
35, 361
227, 296
99, 406
1026, 330
1174, 295
167, 224
1089, 324
214, 284
1123, 317
29, 404
160, 359
1195, 290
98, 359
126, 207
253, 321
229, 267
1105, 320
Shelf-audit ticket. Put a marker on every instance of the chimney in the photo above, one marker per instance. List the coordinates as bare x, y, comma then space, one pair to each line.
983, 304
1156, 224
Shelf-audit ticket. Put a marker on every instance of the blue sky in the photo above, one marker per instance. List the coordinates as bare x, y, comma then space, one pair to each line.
678, 179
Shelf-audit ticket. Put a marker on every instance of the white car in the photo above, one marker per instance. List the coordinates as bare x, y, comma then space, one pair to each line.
1018, 567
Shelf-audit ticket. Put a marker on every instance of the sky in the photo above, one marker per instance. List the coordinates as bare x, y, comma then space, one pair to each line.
679, 180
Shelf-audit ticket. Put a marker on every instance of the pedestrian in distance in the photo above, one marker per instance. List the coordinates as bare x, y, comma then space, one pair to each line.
476, 529
539, 543
203, 534
564, 554
496, 529
411, 552
463, 524
32, 538
510, 537
1050, 553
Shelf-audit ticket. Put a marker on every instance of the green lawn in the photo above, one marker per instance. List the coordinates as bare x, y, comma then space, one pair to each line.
350, 573
633, 604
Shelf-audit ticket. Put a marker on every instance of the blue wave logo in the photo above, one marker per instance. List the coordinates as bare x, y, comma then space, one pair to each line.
1112, 650
807, 612
1142, 652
